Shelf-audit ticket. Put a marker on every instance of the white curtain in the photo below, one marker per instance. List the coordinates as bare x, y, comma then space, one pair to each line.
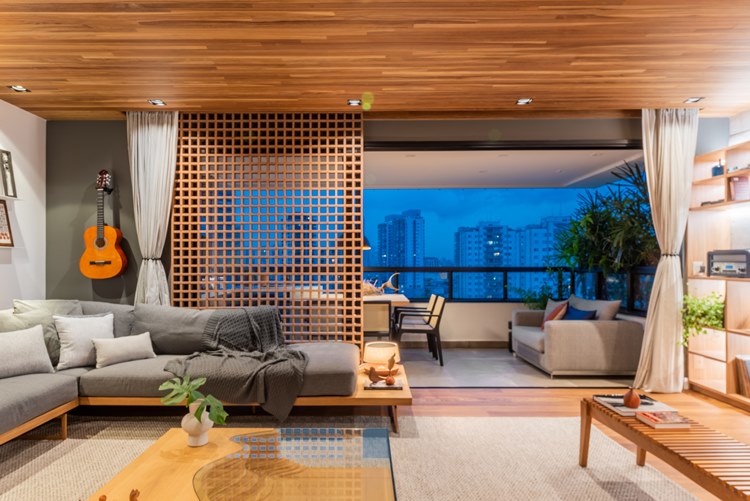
152, 145
669, 138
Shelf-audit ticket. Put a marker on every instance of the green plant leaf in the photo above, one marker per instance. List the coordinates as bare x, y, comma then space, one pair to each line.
701, 313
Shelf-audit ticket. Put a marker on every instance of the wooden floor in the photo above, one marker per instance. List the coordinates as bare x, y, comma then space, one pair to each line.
564, 402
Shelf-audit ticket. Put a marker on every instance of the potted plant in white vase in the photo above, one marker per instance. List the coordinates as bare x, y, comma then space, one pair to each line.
205, 410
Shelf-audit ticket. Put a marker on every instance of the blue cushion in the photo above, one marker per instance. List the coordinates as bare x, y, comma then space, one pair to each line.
576, 314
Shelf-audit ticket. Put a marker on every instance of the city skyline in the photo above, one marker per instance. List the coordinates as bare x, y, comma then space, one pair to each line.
445, 210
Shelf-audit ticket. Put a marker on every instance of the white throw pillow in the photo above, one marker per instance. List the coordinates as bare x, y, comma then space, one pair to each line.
23, 352
76, 335
123, 349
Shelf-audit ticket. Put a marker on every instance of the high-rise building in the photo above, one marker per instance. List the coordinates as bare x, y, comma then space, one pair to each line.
401, 243
468, 253
495, 244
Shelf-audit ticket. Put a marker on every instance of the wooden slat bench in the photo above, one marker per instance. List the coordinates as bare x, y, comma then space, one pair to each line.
716, 462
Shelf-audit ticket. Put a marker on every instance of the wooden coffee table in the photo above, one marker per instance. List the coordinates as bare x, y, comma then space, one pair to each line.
264, 463
716, 462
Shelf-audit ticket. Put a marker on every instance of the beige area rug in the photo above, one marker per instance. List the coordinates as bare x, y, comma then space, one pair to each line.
434, 459
490, 368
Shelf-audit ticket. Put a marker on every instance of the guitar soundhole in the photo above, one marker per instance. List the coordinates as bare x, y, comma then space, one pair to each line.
100, 243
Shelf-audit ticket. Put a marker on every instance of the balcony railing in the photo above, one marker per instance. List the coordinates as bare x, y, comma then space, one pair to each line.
507, 284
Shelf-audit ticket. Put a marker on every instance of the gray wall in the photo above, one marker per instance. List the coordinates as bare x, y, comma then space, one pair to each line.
76, 152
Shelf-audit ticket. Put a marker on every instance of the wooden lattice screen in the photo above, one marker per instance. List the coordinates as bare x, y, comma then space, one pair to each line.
267, 211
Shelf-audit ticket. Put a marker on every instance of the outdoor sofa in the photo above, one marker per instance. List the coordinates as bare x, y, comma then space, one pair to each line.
608, 345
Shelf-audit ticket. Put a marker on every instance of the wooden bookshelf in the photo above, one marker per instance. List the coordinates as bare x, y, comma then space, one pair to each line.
719, 226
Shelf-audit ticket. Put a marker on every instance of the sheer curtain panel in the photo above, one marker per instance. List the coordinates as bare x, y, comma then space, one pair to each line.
152, 146
669, 139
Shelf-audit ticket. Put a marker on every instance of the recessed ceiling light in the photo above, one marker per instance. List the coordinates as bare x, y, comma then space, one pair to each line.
354, 102
524, 101
692, 100
18, 88
157, 102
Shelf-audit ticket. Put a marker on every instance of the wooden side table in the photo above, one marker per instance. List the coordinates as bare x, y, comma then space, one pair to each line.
716, 462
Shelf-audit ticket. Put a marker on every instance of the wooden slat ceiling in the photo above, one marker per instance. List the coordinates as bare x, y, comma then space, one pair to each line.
93, 59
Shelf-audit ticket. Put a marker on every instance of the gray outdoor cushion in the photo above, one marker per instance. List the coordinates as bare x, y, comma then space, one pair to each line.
332, 369
605, 310
29, 396
173, 330
532, 337
136, 378
124, 314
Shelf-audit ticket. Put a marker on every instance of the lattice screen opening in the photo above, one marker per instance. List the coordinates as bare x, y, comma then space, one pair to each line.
268, 211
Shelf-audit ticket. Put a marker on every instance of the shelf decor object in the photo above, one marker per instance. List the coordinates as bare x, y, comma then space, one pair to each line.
712, 357
6, 169
6, 236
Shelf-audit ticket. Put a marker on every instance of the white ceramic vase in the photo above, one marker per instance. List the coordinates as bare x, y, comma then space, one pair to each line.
197, 431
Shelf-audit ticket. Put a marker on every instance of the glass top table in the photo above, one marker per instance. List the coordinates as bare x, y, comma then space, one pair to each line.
261, 464
301, 463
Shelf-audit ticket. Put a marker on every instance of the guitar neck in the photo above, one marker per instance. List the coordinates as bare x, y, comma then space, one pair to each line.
99, 214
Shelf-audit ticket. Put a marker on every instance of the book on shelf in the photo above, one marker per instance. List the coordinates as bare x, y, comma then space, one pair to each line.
743, 375
663, 420
614, 403
380, 385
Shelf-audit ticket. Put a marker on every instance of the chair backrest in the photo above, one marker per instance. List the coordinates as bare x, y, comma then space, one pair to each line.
376, 316
437, 312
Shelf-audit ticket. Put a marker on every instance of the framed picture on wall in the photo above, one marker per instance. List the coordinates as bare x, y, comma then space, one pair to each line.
6, 237
6, 169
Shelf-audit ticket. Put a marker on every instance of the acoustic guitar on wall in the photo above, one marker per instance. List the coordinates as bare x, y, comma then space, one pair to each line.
103, 257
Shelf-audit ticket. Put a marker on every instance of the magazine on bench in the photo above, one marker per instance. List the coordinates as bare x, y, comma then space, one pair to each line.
614, 402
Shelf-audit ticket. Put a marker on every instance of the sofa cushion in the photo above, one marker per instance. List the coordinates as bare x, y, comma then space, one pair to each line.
331, 369
605, 310
76, 335
551, 306
529, 336
136, 378
23, 352
54, 306
76, 372
28, 319
124, 314
576, 314
556, 314
29, 396
117, 350
177, 331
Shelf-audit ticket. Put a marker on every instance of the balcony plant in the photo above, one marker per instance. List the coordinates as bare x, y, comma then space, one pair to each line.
611, 230
700, 314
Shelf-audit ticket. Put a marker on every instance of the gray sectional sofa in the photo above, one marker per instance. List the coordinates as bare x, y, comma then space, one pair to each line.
31, 399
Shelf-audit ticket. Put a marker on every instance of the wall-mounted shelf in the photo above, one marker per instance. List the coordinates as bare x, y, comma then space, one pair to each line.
711, 357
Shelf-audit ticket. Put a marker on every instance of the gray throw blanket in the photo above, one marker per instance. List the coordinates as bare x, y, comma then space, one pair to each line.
246, 360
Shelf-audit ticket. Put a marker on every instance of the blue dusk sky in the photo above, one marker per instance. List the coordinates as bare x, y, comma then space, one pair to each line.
446, 209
